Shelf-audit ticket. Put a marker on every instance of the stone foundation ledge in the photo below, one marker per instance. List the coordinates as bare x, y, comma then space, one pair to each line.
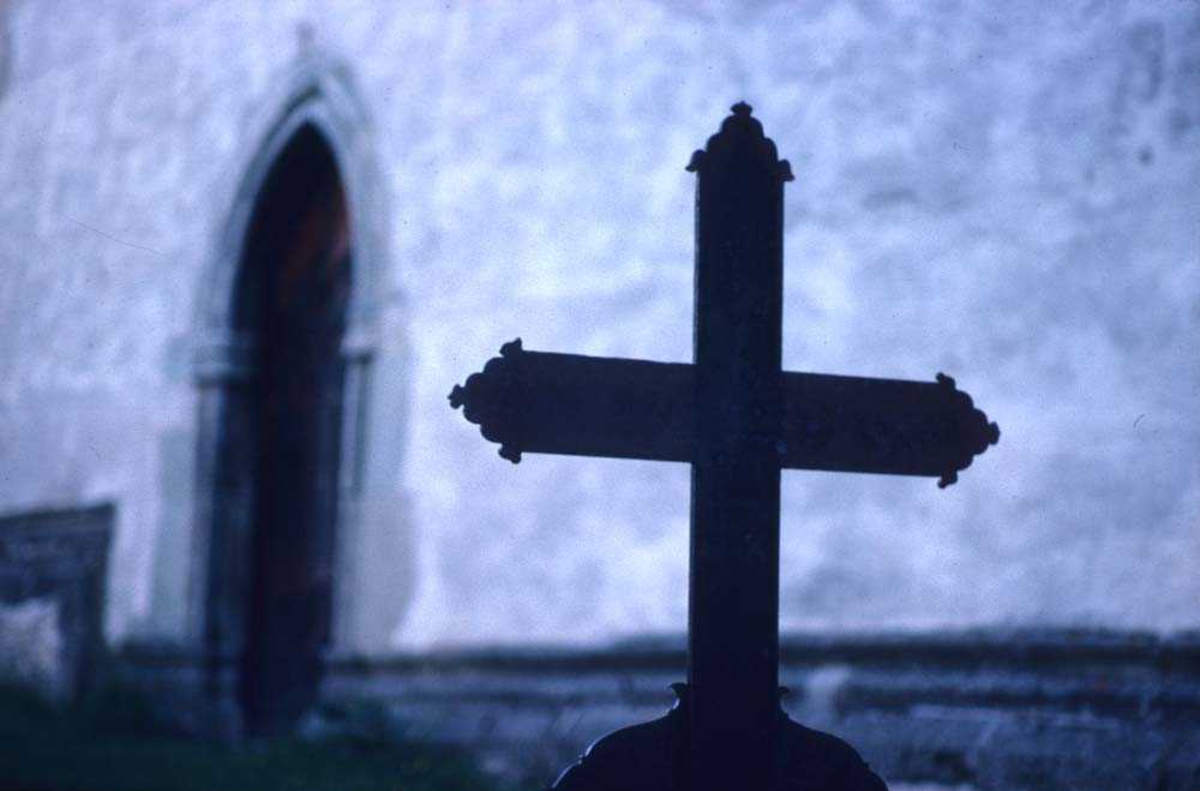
981, 709
995, 709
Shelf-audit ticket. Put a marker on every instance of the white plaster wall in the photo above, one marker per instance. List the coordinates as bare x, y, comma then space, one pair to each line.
1007, 194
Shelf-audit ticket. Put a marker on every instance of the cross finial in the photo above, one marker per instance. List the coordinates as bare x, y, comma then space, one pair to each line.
737, 130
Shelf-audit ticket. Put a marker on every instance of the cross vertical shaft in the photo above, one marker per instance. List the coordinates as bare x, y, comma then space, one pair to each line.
734, 586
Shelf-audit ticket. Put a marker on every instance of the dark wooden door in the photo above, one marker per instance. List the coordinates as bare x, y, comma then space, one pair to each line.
302, 259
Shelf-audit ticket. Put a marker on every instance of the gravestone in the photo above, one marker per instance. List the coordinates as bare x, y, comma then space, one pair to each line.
52, 577
738, 419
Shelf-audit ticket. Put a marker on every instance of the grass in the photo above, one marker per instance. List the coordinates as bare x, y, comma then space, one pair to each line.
109, 742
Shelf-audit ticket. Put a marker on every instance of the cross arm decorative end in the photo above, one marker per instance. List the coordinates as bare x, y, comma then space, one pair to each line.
784, 170
511, 349
976, 432
488, 398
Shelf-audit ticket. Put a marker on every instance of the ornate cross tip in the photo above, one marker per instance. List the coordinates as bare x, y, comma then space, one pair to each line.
740, 134
512, 347
743, 122
975, 433
489, 399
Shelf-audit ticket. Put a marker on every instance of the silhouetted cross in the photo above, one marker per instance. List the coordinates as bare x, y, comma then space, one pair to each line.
738, 419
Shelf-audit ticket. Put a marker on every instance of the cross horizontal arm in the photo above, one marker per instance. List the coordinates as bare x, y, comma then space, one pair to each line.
539, 402
890, 426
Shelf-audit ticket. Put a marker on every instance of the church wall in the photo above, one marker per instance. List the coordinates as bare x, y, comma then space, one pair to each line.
1006, 197
1000, 197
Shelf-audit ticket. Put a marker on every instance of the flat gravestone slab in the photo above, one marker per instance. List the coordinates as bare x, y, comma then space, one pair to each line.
53, 568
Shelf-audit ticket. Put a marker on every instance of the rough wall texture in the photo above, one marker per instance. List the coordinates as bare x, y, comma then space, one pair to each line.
1007, 194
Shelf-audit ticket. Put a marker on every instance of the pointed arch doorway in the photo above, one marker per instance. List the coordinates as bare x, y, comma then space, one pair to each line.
292, 298
281, 402
285, 351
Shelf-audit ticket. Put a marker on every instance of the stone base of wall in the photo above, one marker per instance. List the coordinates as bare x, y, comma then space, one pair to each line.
994, 710
972, 710
187, 691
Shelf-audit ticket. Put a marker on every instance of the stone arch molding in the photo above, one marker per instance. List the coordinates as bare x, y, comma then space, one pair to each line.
320, 92
317, 91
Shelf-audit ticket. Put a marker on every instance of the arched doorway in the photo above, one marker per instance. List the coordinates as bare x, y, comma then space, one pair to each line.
291, 299
285, 355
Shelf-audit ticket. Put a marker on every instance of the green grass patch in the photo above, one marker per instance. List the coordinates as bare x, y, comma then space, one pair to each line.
110, 742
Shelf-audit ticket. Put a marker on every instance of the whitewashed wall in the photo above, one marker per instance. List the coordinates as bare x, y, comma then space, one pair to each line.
1006, 193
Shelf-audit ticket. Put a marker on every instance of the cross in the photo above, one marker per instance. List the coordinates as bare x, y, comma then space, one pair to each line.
738, 419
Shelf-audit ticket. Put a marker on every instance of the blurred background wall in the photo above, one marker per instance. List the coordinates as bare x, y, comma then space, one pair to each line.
1004, 193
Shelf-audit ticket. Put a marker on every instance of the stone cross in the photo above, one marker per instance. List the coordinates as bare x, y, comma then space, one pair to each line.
738, 419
